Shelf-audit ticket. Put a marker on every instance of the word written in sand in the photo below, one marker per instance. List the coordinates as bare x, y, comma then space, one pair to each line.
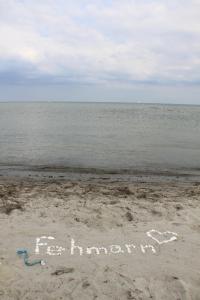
75, 248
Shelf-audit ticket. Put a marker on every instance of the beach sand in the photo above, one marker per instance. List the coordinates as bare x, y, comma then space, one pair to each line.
107, 215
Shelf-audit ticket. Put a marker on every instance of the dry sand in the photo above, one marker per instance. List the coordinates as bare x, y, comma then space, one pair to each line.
100, 214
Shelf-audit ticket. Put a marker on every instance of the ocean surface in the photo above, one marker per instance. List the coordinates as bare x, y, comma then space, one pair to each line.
98, 136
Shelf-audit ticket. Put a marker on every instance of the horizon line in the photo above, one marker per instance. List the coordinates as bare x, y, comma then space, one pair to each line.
99, 102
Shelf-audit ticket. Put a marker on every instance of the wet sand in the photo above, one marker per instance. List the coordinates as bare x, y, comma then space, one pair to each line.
107, 214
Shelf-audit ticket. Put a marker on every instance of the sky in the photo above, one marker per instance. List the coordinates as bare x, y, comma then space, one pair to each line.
102, 50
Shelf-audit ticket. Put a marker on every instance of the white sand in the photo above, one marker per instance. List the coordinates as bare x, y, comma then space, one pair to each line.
101, 215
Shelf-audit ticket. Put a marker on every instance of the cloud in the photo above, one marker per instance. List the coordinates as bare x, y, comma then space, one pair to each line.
123, 42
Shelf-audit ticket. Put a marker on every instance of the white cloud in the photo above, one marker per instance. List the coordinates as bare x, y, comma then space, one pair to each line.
102, 41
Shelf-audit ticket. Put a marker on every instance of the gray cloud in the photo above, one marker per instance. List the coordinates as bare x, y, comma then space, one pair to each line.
100, 42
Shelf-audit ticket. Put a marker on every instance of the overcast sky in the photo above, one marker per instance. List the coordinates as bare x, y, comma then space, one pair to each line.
102, 50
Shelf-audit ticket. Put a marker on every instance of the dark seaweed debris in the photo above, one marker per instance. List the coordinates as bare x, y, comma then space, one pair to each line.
9, 199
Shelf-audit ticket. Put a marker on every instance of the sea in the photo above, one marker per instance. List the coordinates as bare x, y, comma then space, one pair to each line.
99, 137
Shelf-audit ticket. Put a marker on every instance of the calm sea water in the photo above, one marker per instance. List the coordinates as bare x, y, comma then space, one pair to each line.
99, 135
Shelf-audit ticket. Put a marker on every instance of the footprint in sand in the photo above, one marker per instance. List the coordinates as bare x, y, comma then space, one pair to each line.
168, 288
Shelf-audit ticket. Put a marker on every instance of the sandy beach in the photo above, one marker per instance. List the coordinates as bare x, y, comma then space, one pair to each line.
109, 240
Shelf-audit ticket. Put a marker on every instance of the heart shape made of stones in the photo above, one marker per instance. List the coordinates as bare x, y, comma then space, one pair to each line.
162, 237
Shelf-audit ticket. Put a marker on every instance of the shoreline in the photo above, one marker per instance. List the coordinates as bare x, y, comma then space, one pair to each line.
57, 173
